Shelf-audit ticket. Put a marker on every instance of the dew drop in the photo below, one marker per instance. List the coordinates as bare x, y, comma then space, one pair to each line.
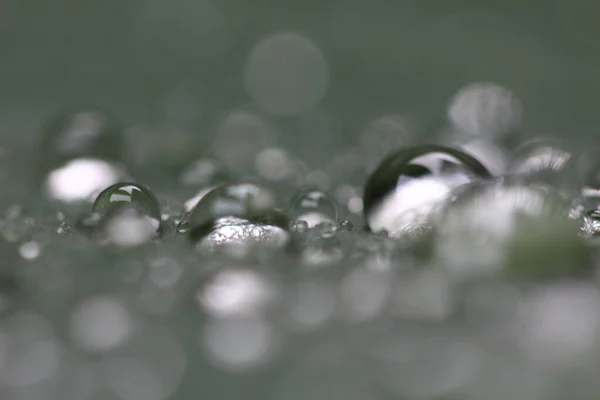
402, 193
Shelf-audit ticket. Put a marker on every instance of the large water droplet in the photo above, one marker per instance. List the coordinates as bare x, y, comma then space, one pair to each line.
238, 215
409, 184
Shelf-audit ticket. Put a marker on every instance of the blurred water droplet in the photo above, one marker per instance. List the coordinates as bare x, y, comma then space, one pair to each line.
505, 226
150, 367
561, 323
30, 250
100, 324
239, 345
424, 296
273, 164
241, 137
29, 351
312, 304
16, 226
288, 88
485, 109
204, 172
364, 295
235, 293
423, 364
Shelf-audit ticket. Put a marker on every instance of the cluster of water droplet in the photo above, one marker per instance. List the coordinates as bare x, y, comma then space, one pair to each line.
454, 268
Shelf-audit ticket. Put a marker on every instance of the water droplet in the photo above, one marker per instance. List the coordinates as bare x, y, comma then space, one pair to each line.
238, 215
314, 207
127, 195
408, 185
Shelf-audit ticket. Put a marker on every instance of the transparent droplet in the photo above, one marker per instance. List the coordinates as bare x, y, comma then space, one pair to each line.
286, 88
407, 187
127, 195
314, 207
242, 213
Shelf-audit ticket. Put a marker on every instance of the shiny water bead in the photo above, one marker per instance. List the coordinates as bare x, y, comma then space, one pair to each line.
314, 207
80, 153
409, 184
127, 195
508, 227
242, 213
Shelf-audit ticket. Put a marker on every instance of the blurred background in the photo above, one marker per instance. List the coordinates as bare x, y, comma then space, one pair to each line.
299, 93
189, 62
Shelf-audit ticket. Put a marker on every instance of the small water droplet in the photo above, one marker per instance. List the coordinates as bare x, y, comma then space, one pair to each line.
314, 207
